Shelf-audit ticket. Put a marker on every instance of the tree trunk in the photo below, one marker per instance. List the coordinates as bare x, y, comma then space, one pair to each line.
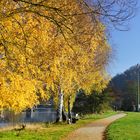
60, 106
69, 111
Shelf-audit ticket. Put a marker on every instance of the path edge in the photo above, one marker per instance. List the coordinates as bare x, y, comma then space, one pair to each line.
106, 130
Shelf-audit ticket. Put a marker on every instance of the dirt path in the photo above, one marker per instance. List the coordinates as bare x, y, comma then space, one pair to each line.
95, 130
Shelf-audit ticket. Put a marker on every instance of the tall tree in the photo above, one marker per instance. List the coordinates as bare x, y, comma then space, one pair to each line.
66, 61
60, 43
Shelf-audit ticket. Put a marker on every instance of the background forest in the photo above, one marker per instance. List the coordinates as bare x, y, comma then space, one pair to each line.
124, 88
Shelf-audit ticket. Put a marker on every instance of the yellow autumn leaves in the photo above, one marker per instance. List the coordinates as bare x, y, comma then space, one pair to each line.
16, 92
41, 47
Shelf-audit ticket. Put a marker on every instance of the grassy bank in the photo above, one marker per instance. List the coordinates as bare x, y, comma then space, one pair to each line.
127, 128
49, 131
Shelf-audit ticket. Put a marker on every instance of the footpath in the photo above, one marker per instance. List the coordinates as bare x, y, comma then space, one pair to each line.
95, 130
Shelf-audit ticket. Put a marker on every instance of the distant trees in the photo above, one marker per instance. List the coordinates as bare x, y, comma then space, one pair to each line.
93, 103
124, 89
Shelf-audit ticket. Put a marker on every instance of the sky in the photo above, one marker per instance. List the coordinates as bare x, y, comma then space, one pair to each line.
127, 46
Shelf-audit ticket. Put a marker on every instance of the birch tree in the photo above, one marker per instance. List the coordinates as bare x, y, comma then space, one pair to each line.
61, 44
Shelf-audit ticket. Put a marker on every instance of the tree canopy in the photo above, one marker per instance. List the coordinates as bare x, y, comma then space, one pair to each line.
52, 46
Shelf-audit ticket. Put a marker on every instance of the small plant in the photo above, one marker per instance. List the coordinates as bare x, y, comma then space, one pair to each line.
22, 127
48, 124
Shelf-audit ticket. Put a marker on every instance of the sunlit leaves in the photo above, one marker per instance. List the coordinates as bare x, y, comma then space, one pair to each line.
40, 47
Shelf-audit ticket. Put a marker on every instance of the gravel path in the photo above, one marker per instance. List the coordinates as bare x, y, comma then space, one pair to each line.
95, 130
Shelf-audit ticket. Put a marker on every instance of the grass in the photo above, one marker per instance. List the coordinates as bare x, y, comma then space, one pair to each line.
50, 131
127, 128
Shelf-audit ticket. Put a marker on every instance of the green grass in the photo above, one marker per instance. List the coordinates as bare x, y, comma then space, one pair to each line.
52, 131
127, 128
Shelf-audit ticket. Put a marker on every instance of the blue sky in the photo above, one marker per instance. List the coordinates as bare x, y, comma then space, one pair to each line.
127, 46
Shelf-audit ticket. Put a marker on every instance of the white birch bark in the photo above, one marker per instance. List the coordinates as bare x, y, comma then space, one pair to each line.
60, 107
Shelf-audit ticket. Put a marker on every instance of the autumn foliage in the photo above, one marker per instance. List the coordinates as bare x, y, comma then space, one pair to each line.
43, 53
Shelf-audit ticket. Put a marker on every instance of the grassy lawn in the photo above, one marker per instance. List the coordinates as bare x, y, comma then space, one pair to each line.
49, 132
127, 128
